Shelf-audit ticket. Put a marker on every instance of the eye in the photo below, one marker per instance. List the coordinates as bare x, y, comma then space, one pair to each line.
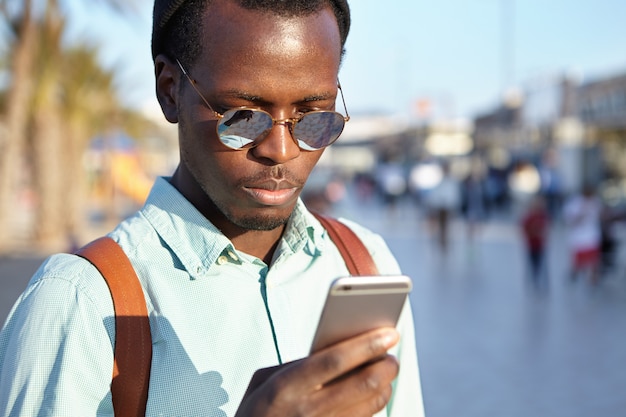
301, 112
220, 109
304, 110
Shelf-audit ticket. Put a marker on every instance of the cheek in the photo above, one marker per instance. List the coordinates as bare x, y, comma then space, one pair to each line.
203, 135
313, 157
198, 141
198, 148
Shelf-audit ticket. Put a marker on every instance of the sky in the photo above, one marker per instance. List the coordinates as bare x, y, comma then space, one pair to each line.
457, 56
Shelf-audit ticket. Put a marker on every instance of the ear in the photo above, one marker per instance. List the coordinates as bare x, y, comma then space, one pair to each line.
167, 76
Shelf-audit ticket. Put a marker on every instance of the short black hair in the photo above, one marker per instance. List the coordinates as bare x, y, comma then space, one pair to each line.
177, 24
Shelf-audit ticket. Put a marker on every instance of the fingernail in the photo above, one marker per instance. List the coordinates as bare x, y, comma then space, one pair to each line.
389, 338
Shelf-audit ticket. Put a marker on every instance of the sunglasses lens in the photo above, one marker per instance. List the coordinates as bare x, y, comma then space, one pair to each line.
241, 128
317, 130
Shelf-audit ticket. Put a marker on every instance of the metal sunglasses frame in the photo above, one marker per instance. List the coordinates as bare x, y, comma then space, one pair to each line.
289, 122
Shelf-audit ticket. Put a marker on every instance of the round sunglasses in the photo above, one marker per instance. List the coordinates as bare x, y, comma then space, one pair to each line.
244, 127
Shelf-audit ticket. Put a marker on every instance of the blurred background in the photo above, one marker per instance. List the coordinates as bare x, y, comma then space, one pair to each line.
481, 133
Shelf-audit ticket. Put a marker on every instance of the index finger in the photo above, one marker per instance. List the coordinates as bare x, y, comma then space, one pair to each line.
339, 359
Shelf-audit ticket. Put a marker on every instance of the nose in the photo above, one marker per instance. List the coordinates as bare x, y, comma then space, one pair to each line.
279, 146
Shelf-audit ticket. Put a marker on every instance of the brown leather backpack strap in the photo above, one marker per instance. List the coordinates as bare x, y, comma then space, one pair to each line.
133, 341
355, 254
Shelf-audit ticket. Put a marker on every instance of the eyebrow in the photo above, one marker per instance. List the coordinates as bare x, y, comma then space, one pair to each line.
320, 97
238, 94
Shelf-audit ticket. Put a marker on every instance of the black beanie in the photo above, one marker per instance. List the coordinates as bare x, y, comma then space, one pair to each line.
164, 10
161, 14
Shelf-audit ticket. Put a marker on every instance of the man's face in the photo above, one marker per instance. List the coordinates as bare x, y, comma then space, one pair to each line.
285, 66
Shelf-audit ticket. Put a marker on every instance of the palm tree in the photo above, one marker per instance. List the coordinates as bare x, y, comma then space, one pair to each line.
83, 81
46, 131
38, 39
22, 50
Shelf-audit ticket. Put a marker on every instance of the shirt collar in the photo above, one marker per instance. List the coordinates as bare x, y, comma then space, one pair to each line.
303, 232
199, 244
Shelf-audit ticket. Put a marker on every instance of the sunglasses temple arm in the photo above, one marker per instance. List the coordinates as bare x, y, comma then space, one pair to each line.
193, 84
343, 100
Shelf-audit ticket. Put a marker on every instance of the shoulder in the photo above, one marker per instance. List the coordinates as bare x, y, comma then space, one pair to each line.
374, 242
376, 245
58, 337
65, 280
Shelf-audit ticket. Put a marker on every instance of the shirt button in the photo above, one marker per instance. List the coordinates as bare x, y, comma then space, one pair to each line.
222, 260
233, 255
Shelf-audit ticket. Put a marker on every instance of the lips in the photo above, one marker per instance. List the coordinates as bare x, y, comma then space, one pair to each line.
272, 193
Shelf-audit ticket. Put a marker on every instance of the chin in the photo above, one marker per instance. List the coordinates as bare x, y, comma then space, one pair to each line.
259, 220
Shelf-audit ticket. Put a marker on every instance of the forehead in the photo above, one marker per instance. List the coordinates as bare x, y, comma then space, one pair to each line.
251, 42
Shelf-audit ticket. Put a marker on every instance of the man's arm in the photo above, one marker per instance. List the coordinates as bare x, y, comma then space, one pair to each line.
55, 349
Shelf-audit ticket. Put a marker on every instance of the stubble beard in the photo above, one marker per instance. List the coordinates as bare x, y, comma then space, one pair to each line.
256, 221
249, 221
260, 223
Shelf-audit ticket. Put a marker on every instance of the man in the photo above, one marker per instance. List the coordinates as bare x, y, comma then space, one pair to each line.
233, 267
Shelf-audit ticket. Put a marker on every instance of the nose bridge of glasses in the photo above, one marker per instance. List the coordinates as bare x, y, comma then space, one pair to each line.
289, 123
278, 145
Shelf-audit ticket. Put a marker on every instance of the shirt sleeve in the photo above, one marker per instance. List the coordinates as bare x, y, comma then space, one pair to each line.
56, 351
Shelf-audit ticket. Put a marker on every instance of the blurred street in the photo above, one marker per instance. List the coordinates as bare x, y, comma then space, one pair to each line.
489, 343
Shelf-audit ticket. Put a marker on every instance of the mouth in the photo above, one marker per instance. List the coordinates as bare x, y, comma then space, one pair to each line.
272, 193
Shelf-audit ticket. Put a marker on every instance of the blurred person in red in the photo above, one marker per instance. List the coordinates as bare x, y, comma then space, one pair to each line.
582, 215
534, 225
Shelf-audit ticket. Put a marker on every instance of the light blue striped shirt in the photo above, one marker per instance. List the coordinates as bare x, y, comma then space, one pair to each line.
207, 305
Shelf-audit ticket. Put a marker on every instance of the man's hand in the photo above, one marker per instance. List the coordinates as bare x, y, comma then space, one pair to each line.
350, 379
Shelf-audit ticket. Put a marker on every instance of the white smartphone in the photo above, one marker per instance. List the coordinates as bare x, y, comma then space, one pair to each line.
357, 304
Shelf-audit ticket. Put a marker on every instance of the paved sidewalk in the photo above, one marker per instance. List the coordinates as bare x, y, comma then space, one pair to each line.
490, 345
15, 272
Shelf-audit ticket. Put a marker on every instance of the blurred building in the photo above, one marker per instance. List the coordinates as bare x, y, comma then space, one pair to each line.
583, 123
572, 132
601, 107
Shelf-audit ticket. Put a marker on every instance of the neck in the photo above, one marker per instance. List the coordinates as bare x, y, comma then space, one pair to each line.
258, 243
261, 244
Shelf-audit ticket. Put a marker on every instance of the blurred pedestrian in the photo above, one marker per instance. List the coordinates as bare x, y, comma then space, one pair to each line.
524, 183
473, 203
609, 242
582, 215
534, 225
392, 183
365, 186
443, 203
550, 182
